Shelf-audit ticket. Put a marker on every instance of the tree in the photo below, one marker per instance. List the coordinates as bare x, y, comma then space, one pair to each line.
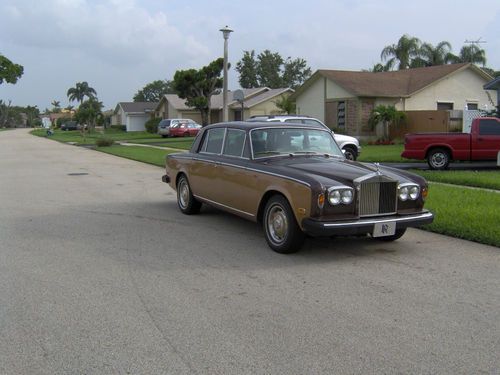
154, 91
296, 72
386, 115
269, 69
401, 53
285, 104
56, 106
247, 67
198, 86
89, 112
80, 91
9, 72
430, 55
471, 54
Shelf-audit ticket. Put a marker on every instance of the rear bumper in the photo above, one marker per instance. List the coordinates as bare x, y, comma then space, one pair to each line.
165, 179
363, 226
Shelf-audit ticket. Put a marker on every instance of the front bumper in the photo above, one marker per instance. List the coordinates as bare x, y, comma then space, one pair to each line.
365, 225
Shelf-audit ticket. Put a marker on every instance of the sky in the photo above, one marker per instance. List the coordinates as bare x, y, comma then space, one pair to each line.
119, 46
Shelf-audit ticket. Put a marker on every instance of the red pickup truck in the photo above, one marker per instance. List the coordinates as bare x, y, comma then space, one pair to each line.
482, 143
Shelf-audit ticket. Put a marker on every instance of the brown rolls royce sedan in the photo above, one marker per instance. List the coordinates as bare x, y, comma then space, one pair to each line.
296, 182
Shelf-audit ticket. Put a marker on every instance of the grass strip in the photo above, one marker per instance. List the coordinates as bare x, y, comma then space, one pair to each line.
383, 154
90, 137
148, 155
468, 214
480, 179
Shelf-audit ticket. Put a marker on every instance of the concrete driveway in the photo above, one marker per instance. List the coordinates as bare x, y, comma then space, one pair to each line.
101, 274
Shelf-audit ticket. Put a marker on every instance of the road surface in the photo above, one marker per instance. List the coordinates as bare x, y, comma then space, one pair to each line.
101, 274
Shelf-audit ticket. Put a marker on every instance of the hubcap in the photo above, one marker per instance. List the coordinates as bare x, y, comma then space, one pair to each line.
438, 159
183, 193
277, 224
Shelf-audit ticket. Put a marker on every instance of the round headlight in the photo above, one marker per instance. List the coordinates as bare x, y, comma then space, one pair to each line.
403, 193
334, 197
347, 196
414, 192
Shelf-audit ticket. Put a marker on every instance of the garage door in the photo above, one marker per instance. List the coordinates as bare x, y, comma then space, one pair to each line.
136, 123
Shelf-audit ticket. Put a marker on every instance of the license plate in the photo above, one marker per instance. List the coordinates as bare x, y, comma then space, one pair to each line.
384, 229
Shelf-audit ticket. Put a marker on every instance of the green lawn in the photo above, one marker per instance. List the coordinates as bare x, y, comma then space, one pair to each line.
465, 213
116, 135
382, 154
481, 179
145, 154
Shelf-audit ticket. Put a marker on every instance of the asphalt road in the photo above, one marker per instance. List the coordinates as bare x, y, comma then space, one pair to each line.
101, 274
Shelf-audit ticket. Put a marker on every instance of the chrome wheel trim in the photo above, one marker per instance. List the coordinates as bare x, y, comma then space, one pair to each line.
277, 224
439, 159
183, 193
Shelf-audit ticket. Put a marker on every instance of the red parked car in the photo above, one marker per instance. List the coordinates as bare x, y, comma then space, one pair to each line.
482, 143
184, 129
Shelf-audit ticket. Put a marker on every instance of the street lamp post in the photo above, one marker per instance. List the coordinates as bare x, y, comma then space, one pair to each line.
225, 33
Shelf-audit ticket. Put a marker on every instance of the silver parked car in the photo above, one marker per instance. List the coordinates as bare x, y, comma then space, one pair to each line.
349, 145
165, 124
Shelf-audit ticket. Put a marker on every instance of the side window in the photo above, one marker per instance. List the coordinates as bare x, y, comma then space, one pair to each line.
213, 141
234, 143
489, 127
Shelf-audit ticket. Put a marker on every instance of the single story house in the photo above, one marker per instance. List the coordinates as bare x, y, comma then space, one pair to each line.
345, 99
256, 101
133, 115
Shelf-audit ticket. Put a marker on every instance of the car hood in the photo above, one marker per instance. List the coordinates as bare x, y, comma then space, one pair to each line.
341, 138
340, 170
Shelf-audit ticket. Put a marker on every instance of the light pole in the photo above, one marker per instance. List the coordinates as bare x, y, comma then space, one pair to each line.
225, 33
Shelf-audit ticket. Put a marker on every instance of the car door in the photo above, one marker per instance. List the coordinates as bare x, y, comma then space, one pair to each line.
235, 184
203, 170
487, 140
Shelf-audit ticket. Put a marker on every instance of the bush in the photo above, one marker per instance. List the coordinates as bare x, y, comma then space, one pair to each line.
104, 142
152, 125
118, 127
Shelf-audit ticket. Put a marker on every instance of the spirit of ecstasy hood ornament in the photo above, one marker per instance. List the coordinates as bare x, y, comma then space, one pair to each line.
377, 165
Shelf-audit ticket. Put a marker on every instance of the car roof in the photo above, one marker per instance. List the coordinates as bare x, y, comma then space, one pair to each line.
248, 125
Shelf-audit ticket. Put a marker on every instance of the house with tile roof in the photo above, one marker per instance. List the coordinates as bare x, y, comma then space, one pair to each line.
257, 101
345, 99
133, 115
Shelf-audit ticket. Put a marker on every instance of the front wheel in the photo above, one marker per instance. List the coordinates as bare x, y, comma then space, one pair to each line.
185, 200
282, 232
438, 159
350, 153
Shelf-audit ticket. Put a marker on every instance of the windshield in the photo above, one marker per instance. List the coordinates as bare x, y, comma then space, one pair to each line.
293, 141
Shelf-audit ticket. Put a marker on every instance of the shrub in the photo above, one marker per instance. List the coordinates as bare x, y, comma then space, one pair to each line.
118, 127
104, 142
152, 125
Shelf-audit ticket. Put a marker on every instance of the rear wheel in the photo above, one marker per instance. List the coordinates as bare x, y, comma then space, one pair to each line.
282, 232
438, 159
185, 200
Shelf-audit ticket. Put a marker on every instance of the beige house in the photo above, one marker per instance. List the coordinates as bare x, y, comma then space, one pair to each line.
133, 115
345, 99
257, 101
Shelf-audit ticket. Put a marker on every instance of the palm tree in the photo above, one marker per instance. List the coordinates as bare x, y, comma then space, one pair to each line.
471, 54
438, 55
56, 106
386, 115
80, 91
403, 52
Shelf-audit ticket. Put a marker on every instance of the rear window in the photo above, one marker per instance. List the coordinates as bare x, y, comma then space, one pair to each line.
213, 141
489, 127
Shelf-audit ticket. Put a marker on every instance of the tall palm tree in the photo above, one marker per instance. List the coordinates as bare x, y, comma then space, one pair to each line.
402, 53
436, 55
471, 54
80, 91
56, 106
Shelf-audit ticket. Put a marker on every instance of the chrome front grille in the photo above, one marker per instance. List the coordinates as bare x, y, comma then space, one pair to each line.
377, 197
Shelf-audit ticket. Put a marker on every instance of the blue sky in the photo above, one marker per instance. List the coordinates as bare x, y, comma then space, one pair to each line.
118, 46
